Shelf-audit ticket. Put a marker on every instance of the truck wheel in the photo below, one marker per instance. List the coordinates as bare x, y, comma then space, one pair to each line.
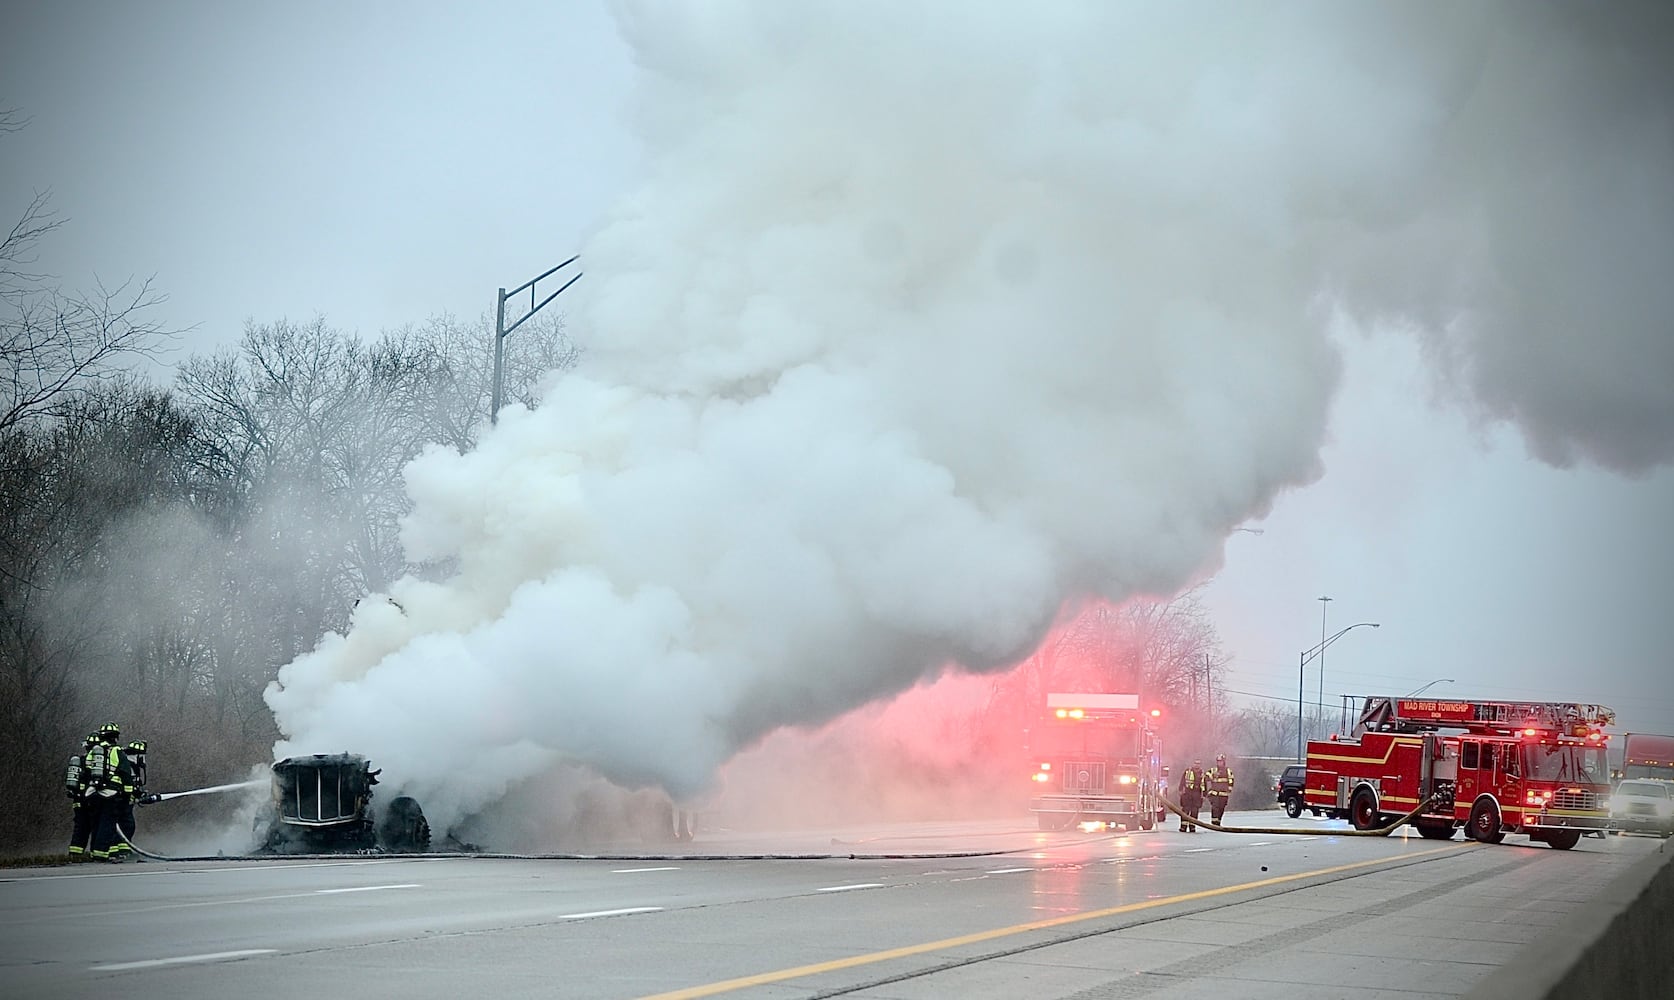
1145, 821
1431, 830
1293, 805
1363, 810
404, 828
1563, 840
1485, 823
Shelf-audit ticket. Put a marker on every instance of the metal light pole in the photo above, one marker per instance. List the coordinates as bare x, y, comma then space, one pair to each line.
501, 330
1439, 680
1301, 665
1324, 603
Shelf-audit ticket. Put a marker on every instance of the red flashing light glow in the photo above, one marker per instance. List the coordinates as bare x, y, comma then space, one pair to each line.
1595, 737
1076, 713
1529, 732
1156, 713
1062, 713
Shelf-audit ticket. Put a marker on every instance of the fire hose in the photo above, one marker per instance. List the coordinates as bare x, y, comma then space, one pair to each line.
1382, 831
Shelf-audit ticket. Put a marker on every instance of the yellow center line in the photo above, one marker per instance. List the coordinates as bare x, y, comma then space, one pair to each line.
764, 978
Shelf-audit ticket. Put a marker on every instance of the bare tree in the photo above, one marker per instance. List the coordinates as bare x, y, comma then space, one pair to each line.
53, 342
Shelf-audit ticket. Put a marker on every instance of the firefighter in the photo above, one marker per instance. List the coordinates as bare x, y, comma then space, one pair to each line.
82, 813
111, 781
1218, 786
135, 752
1191, 796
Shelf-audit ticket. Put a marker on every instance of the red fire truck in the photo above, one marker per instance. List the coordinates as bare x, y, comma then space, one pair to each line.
1494, 767
1094, 758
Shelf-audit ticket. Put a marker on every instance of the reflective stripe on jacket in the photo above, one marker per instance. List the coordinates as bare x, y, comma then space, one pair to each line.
1220, 781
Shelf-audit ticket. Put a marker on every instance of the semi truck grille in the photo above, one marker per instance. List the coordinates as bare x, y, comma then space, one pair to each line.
1564, 799
1084, 777
322, 795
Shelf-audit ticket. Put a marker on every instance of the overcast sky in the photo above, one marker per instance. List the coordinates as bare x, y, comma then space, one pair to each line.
379, 163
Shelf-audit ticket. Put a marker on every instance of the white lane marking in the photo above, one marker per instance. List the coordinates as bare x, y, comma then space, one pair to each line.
1260, 843
1196, 850
152, 963
609, 913
222, 902
630, 871
1008, 871
846, 888
131, 873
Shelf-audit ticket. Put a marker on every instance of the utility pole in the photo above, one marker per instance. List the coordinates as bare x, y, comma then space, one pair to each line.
501, 330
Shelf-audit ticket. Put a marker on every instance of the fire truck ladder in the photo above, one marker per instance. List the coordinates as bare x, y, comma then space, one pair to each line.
1382, 713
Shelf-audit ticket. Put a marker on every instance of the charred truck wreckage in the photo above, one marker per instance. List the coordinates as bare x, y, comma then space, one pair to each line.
323, 804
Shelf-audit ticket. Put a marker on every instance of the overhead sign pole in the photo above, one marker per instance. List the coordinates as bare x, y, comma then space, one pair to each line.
502, 331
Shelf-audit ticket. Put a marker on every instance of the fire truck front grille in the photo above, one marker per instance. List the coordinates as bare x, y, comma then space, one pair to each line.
1084, 777
1563, 799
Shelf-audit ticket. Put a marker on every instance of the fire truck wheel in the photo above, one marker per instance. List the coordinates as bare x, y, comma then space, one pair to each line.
1293, 805
1363, 810
1563, 840
1145, 821
1435, 831
1485, 823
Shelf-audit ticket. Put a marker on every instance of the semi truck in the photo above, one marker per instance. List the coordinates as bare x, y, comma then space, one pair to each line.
1095, 758
1645, 755
1491, 767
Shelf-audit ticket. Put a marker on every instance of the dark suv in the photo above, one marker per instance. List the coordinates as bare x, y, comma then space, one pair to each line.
1289, 790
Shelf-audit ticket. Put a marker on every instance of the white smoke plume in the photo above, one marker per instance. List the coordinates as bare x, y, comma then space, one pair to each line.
930, 318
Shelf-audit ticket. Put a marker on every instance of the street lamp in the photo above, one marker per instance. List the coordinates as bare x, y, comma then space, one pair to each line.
1302, 663
1439, 680
501, 330
1324, 603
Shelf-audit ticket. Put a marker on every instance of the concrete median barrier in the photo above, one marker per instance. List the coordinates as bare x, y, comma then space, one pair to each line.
1625, 955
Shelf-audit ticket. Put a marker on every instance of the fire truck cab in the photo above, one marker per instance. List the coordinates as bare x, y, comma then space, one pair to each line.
1493, 767
1094, 758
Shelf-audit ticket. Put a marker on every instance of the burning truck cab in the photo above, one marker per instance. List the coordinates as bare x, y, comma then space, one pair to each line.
323, 804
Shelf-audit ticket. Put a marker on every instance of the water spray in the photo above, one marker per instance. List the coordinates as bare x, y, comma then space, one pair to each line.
213, 788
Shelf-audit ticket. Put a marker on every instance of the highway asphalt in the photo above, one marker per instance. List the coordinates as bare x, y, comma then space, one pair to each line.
976, 910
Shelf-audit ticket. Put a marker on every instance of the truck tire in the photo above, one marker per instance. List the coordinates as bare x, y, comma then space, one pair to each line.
1484, 826
1363, 810
404, 830
1145, 820
1293, 805
1562, 840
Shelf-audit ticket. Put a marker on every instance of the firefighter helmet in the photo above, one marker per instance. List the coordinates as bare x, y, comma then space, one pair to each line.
110, 732
1220, 758
136, 746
